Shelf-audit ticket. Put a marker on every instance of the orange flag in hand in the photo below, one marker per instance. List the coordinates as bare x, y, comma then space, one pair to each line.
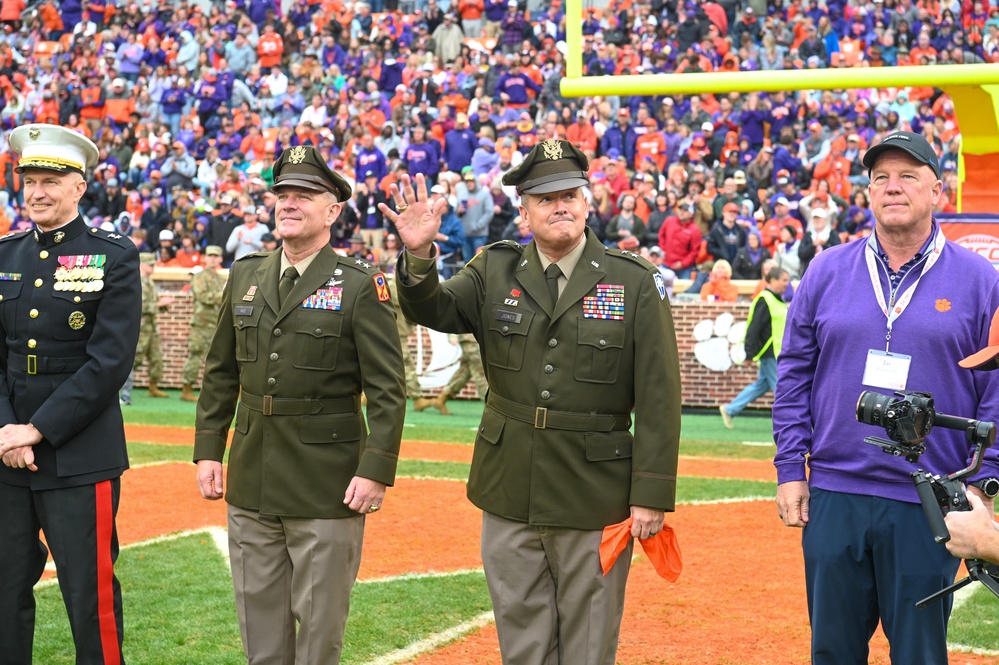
662, 549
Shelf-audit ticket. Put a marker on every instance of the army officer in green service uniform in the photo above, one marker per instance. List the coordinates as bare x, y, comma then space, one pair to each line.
573, 337
300, 333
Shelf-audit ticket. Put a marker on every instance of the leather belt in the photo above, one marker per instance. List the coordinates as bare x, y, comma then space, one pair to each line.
543, 418
289, 406
33, 364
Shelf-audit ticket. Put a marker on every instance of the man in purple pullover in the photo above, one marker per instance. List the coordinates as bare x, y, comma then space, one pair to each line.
896, 311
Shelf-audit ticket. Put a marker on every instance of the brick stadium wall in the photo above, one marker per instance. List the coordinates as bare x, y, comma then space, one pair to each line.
702, 387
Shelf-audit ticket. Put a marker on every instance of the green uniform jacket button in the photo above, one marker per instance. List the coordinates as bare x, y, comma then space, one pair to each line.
335, 435
549, 369
319, 331
274, 356
553, 342
277, 332
603, 342
545, 394
272, 381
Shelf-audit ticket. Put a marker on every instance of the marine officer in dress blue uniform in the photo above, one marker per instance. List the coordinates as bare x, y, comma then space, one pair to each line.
573, 338
69, 321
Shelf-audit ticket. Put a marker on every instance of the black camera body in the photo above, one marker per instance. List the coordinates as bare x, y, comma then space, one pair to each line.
908, 418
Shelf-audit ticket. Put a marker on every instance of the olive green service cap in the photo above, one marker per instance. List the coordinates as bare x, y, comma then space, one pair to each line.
148, 258
552, 166
303, 166
53, 148
213, 250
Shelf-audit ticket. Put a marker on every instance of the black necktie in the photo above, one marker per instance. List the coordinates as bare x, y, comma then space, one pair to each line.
552, 273
286, 284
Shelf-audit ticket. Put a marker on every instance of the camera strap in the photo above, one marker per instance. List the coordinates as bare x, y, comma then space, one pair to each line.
898, 305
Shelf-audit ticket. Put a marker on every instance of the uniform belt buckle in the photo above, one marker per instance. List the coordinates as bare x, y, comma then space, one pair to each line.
32, 364
540, 417
268, 406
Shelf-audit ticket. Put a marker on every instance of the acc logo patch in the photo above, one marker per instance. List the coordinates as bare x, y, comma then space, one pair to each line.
381, 287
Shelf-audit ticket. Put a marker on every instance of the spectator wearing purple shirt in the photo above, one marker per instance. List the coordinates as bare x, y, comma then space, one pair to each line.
370, 158
422, 156
868, 549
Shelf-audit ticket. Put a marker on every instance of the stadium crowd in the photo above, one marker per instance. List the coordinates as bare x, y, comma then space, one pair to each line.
190, 102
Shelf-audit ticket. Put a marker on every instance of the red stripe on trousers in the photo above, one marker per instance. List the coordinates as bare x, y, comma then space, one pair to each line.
105, 575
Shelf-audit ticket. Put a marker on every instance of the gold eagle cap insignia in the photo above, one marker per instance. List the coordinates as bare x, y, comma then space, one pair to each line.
552, 148
297, 155
34, 133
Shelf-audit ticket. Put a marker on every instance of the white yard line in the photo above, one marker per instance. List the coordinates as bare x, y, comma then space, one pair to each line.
433, 641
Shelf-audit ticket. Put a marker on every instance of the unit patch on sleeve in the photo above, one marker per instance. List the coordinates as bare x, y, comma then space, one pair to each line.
381, 287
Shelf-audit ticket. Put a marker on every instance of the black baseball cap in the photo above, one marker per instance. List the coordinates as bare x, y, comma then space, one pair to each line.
912, 143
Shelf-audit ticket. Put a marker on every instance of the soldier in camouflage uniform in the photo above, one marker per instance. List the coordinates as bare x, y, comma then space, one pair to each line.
470, 368
206, 295
405, 328
149, 348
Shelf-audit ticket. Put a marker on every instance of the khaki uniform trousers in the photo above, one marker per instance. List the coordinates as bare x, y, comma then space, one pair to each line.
288, 571
552, 603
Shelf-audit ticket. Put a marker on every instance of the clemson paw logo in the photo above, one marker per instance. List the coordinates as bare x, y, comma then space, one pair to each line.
718, 344
943, 305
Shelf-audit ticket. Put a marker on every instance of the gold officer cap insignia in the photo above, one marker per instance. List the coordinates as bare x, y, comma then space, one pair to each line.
34, 133
552, 148
297, 155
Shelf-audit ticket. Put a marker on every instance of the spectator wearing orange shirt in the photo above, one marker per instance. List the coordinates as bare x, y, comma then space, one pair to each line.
471, 17
582, 134
370, 116
771, 229
651, 144
270, 49
253, 145
719, 286
835, 169
10, 12
92, 103
48, 111
52, 20
922, 48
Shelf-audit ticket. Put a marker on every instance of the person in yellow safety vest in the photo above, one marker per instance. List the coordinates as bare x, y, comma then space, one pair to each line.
764, 331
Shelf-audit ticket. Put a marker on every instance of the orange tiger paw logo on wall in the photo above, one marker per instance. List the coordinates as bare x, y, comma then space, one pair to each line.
943, 305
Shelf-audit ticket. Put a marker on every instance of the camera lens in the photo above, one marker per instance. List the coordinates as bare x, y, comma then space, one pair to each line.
872, 406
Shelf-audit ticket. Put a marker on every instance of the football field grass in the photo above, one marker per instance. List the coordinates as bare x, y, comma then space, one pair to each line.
421, 596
